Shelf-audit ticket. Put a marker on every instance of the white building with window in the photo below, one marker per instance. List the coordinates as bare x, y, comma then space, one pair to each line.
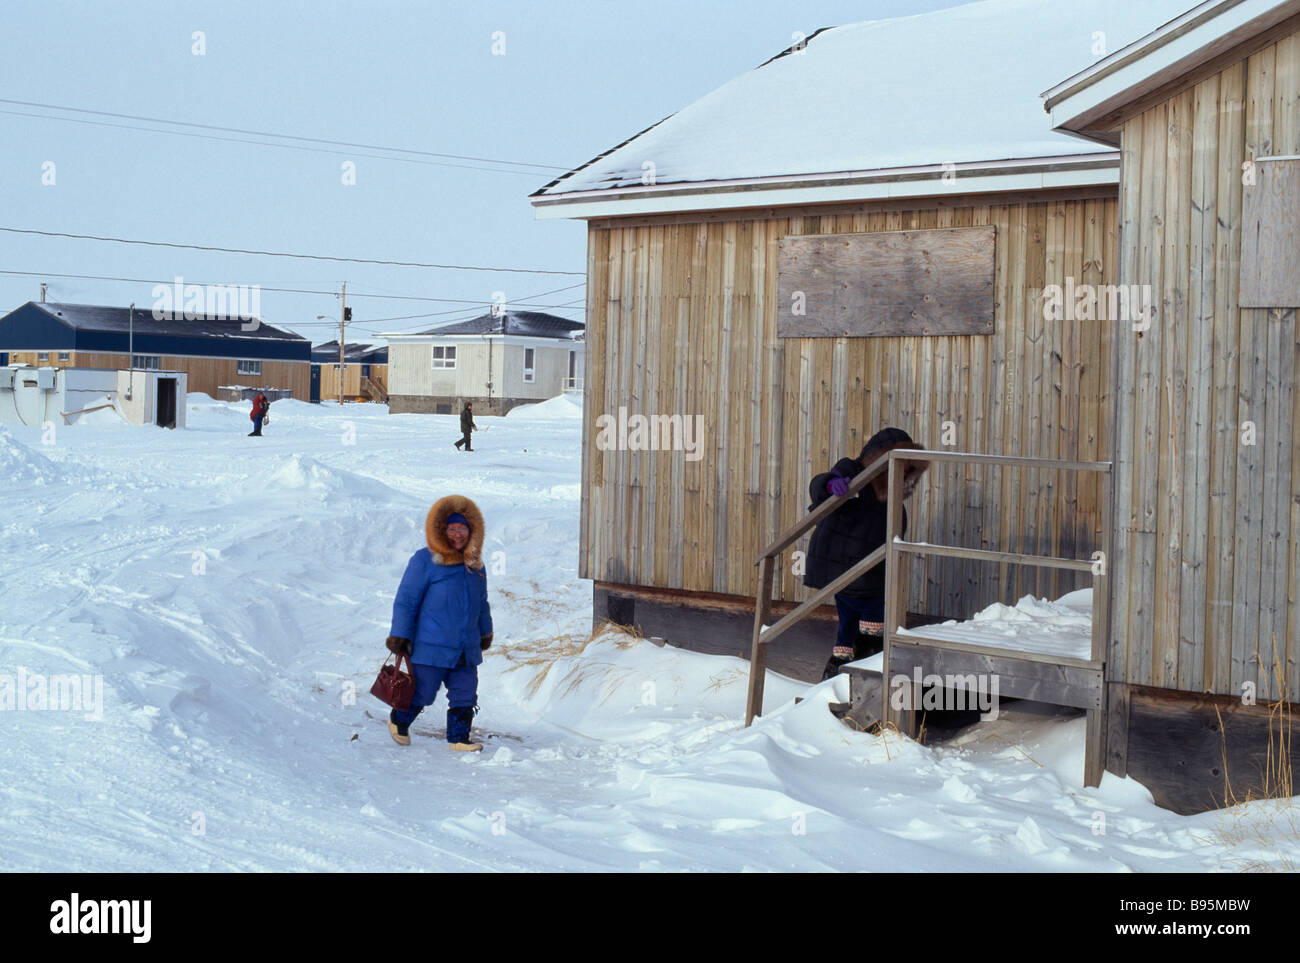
494, 361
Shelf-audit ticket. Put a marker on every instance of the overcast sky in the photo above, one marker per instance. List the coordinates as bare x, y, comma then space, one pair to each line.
575, 79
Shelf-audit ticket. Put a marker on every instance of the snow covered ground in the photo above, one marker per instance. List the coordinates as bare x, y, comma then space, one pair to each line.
234, 593
1059, 628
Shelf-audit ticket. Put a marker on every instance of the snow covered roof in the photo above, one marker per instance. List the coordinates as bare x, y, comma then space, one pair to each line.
530, 324
108, 318
352, 351
894, 99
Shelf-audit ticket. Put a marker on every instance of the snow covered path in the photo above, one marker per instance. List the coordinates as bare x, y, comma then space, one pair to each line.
234, 592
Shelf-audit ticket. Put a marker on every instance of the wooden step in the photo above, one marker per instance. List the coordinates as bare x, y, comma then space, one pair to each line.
866, 687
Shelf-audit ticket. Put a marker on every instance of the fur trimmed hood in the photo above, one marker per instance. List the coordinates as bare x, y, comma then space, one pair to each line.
435, 531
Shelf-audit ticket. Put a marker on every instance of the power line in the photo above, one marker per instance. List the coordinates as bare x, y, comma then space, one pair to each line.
262, 143
278, 290
305, 257
263, 133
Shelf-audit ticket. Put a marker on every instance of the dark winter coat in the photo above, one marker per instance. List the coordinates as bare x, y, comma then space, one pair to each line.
847, 536
441, 603
467, 421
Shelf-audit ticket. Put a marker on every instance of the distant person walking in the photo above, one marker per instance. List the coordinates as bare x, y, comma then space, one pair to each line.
466, 426
260, 408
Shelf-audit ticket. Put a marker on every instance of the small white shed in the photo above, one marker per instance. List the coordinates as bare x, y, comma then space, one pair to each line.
66, 396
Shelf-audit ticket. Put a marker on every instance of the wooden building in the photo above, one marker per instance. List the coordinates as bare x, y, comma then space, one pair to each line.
494, 361
820, 171
1206, 444
211, 353
364, 374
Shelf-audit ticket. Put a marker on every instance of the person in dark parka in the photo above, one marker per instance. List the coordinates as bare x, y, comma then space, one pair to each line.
442, 621
851, 533
466, 426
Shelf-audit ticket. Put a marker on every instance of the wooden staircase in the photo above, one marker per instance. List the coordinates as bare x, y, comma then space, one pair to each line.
374, 389
1054, 679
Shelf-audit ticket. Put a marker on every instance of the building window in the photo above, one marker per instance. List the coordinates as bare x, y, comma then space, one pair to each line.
65, 355
251, 368
572, 381
42, 356
444, 356
529, 373
148, 362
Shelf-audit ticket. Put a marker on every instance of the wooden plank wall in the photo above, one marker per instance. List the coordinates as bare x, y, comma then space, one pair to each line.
205, 374
682, 319
1207, 547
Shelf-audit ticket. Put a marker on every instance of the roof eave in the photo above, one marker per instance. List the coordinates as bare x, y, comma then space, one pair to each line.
1091, 102
1024, 174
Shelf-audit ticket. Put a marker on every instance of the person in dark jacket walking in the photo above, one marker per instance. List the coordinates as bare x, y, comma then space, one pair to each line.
851, 533
466, 426
442, 621
260, 407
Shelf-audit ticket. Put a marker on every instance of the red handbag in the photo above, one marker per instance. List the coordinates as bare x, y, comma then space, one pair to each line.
393, 686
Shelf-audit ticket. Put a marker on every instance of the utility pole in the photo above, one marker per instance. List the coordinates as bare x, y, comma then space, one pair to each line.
343, 334
130, 351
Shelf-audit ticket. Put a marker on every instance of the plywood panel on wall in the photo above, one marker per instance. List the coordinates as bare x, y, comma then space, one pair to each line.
886, 284
1270, 235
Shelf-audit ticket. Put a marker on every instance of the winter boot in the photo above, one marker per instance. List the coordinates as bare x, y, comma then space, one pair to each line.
833, 667
399, 731
867, 644
458, 723
841, 655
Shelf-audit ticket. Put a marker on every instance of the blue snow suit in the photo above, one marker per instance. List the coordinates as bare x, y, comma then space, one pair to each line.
443, 609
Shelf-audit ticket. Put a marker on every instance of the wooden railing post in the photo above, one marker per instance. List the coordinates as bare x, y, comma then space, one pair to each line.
758, 652
896, 589
1095, 739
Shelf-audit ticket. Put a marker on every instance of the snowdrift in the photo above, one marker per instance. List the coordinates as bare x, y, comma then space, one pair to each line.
561, 407
232, 599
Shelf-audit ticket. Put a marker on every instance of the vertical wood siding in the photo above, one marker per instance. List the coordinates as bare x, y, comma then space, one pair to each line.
1207, 546
682, 320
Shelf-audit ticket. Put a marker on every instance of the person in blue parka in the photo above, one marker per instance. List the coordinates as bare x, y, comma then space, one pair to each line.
442, 621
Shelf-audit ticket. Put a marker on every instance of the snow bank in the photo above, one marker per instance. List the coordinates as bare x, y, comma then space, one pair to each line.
561, 406
101, 416
20, 464
1063, 627
302, 473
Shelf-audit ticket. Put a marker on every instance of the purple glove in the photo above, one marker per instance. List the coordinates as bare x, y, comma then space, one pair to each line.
838, 486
